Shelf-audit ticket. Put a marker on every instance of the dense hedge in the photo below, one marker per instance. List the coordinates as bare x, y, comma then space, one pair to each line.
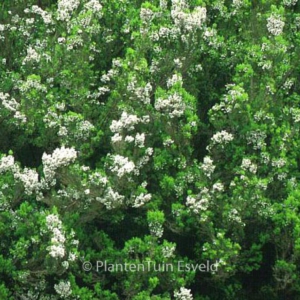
160, 133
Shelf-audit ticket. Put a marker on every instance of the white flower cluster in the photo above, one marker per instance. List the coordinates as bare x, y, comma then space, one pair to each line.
222, 137
83, 129
248, 165
128, 138
126, 121
295, 114
290, 3
51, 119
29, 179
199, 202
218, 187
70, 126
234, 216
10, 104
208, 166
61, 157
237, 3
265, 65
257, 139
164, 33
183, 294
231, 99
146, 15
143, 160
111, 199
54, 225
197, 205
187, 21
175, 79
173, 105
140, 140
121, 165
65, 9
94, 6
279, 163
275, 24
98, 179
141, 93
7, 163
47, 17
163, 4
288, 83
141, 199
234, 93
2, 27
168, 142
32, 56
31, 83
168, 251
63, 289
156, 229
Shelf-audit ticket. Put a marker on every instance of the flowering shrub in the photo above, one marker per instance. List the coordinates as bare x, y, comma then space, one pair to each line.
138, 132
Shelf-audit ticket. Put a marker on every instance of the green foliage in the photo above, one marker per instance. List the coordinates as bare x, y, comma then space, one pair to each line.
147, 133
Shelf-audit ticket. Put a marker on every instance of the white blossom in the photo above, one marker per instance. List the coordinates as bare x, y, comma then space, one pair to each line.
141, 199
237, 3
175, 79
66, 8
111, 199
275, 24
198, 203
61, 40
279, 163
29, 178
121, 165
47, 17
189, 21
222, 137
156, 229
7, 163
208, 166
257, 139
146, 15
168, 142
248, 165
290, 3
116, 138
126, 121
168, 251
173, 105
72, 256
58, 236
219, 187
129, 139
63, 289
183, 294
56, 251
60, 157
52, 221
163, 4
94, 6
32, 56
140, 140
65, 264
19, 116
